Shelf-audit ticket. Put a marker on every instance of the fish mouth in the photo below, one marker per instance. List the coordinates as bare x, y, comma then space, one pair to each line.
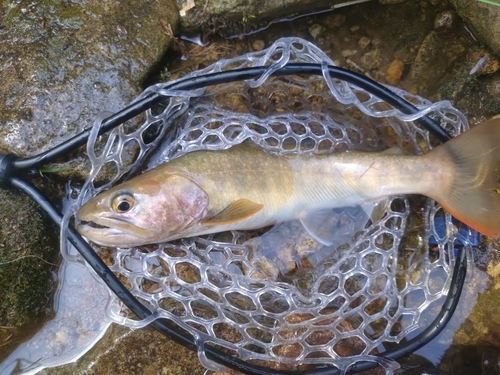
106, 236
93, 225
103, 223
96, 232
118, 233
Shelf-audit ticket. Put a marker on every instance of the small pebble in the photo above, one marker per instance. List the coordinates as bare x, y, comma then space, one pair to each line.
364, 42
349, 52
258, 45
371, 60
354, 28
394, 72
316, 30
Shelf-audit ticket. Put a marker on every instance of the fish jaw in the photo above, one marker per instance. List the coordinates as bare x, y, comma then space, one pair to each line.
109, 231
107, 236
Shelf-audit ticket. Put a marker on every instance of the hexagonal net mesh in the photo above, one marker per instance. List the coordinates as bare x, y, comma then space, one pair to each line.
277, 297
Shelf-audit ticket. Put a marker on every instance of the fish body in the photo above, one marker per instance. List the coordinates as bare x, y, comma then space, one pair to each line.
244, 187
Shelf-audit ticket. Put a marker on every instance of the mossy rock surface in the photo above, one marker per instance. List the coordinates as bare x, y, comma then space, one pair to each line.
27, 256
483, 19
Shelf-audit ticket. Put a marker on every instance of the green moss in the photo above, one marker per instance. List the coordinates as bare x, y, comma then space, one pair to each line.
26, 249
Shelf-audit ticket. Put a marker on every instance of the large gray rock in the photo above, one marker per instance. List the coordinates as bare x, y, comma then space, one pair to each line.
483, 19
63, 62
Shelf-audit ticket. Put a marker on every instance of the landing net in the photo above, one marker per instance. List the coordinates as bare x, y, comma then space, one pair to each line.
278, 298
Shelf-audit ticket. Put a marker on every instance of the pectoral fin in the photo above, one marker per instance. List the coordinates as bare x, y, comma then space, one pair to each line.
238, 210
320, 225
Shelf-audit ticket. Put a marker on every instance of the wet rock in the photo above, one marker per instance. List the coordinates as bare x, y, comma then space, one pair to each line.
434, 58
64, 62
452, 86
27, 253
483, 20
240, 17
414, 364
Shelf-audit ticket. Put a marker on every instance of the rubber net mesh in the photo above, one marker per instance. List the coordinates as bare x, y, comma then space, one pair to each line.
278, 298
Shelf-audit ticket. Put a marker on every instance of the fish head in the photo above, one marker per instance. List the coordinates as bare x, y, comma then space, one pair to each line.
145, 210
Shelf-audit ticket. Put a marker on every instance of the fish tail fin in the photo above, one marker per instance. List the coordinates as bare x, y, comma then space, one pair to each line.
473, 193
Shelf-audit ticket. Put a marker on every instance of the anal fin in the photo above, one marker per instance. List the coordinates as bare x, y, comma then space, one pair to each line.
238, 210
319, 224
339, 226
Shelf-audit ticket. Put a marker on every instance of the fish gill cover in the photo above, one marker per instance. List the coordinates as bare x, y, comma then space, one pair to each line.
279, 298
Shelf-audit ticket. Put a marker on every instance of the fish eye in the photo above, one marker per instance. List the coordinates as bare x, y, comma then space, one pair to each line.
122, 202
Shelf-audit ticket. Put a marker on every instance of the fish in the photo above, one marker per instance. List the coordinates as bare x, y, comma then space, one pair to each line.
245, 187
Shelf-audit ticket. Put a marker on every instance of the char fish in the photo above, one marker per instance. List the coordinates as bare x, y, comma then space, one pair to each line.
244, 187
